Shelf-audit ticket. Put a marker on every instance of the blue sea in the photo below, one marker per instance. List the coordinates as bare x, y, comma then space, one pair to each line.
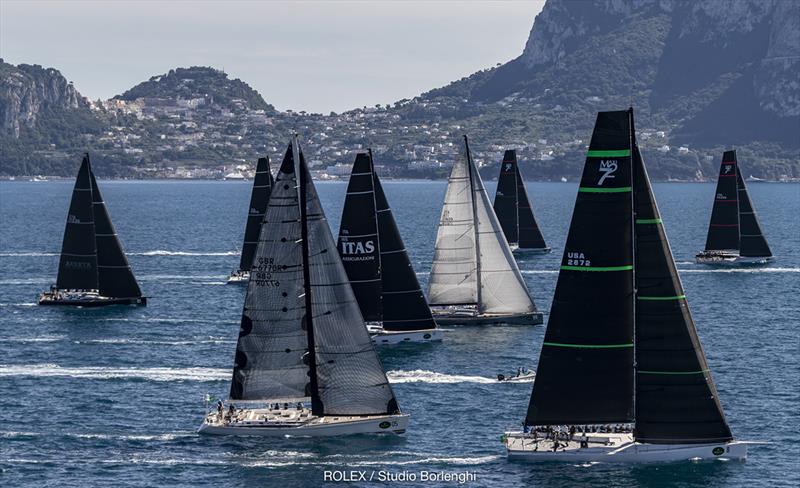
113, 397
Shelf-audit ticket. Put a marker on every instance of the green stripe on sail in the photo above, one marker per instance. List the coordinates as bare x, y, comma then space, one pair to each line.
654, 299
590, 189
619, 153
597, 268
674, 372
589, 346
648, 221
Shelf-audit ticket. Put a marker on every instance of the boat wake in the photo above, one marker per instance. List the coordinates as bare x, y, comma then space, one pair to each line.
27, 254
423, 376
161, 252
741, 270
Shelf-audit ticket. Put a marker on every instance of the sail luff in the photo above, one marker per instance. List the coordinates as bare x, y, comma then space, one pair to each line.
259, 197
585, 370
676, 399
752, 241
723, 229
114, 274
77, 268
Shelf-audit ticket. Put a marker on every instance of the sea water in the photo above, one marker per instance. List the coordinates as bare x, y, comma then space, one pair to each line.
113, 397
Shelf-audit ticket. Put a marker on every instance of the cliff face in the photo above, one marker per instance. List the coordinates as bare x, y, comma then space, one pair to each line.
27, 91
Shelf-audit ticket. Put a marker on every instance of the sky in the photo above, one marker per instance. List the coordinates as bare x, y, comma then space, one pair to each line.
317, 56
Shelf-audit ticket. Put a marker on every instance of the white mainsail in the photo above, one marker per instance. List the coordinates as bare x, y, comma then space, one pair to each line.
454, 278
472, 262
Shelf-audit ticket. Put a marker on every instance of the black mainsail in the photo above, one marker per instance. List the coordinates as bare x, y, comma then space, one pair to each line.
302, 336
723, 230
672, 399
513, 208
375, 258
358, 239
262, 186
751, 239
585, 371
77, 268
114, 273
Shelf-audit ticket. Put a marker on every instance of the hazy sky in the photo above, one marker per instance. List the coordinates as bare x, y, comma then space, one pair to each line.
302, 55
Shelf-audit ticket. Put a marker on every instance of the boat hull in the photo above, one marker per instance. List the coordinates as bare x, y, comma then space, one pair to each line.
304, 426
239, 277
381, 337
730, 259
534, 318
530, 250
620, 448
87, 300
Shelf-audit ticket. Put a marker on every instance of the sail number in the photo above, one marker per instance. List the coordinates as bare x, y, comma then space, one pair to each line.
262, 272
577, 259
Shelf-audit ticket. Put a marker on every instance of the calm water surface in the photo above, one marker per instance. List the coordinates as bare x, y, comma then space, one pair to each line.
113, 397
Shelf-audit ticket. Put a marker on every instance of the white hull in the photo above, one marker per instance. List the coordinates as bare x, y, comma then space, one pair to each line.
730, 259
528, 377
239, 277
458, 317
617, 448
382, 337
294, 422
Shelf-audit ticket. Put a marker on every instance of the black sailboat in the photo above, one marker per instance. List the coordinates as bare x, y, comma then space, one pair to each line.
734, 233
302, 339
93, 269
514, 210
259, 197
377, 263
622, 375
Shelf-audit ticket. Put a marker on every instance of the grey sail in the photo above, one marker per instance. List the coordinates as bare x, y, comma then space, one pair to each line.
77, 268
272, 342
262, 186
299, 301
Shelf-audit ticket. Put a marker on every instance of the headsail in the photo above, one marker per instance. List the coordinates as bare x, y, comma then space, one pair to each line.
676, 400
299, 296
585, 371
77, 268
501, 286
358, 239
115, 276
530, 235
752, 241
454, 273
262, 186
404, 304
723, 231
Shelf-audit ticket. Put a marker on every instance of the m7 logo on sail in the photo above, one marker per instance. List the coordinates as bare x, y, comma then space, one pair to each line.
607, 168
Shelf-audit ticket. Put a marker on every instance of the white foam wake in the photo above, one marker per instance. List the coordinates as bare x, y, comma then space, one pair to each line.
27, 254
741, 270
162, 252
423, 376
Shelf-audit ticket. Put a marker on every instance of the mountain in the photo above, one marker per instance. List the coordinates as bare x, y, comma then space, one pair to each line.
703, 77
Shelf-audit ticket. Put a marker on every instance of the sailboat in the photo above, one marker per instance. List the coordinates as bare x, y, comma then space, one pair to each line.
305, 364
474, 278
377, 263
621, 375
734, 234
514, 210
262, 186
93, 270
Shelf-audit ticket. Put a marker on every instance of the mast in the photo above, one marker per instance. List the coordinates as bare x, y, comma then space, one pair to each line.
316, 403
470, 169
632, 180
516, 198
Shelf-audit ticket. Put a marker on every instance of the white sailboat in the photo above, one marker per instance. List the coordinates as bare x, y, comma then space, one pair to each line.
302, 340
474, 278
622, 376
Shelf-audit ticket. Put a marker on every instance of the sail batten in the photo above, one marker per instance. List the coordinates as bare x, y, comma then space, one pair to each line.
77, 268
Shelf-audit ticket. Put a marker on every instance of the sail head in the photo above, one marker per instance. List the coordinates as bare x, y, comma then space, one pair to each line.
77, 268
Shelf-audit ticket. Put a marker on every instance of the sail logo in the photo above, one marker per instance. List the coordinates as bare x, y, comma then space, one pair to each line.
358, 247
508, 167
253, 211
607, 168
577, 259
77, 265
71, 219
722, 196
728, 168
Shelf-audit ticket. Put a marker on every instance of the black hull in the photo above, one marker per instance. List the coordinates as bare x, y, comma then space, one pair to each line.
92, 302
